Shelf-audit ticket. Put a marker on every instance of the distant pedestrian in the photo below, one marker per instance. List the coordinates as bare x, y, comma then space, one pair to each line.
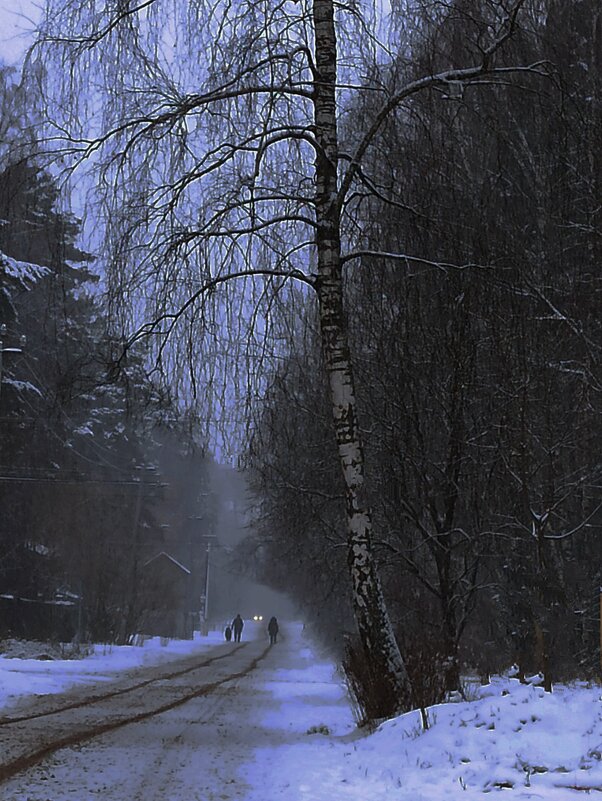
228, 633
273, 630
237, 627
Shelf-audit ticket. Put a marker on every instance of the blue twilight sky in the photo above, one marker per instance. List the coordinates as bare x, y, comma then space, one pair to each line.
17, 20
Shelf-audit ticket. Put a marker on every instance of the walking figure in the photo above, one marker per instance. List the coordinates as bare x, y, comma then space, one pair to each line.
228, 633
273, 630
237, 626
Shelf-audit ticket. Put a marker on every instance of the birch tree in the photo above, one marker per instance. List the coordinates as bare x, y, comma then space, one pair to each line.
212, 129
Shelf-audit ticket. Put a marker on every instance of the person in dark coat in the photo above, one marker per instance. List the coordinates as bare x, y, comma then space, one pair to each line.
228, 633
237, 627
273, 630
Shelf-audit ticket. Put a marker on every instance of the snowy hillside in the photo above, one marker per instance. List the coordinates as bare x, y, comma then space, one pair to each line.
514, 737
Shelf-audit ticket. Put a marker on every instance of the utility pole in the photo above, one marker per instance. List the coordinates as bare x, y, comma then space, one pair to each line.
205, 596
129, 618
208, 554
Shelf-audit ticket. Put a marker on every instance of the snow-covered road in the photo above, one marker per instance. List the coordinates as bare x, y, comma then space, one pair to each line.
274, 724
203, 748
27, 735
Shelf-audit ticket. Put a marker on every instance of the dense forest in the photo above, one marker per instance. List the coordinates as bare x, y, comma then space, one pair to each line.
478, 370
97, 460
358, 252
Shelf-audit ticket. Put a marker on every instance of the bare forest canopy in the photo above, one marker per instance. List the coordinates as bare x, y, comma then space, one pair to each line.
354, 247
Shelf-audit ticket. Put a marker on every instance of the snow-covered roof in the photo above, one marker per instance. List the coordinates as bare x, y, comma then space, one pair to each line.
171, 559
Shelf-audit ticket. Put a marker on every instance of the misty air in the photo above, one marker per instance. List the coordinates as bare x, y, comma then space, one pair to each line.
300, 400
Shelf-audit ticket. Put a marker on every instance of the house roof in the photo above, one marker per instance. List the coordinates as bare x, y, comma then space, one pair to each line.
165, 555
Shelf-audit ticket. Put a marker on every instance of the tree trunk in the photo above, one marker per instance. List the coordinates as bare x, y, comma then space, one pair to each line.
374, 625
451, 668
543, 656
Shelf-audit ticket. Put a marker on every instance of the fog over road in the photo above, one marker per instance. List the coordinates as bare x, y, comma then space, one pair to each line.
188, 730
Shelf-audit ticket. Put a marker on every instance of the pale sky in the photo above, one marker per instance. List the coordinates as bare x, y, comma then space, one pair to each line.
17, 20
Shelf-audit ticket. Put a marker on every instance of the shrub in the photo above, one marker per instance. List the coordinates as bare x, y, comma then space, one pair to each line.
370, 698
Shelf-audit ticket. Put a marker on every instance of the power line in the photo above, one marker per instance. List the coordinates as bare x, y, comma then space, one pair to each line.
58, 480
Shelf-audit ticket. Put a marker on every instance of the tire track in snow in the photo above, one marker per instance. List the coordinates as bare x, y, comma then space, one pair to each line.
167, 763
93, 699
26, 761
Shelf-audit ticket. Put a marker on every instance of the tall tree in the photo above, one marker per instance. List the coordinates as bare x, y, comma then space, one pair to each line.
231, 168
482, 456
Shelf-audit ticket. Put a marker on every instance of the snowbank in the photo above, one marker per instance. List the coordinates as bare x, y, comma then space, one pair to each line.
513, 739
38, 675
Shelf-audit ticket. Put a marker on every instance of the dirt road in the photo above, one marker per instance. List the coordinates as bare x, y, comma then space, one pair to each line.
175, 732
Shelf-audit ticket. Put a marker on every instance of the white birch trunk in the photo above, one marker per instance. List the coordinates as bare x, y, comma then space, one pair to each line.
372, 618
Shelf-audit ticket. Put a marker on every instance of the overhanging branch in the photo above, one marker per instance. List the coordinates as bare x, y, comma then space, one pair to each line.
406, 257
171, 318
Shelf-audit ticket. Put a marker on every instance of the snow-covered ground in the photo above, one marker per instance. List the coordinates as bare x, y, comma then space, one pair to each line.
512, 739
21, 676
